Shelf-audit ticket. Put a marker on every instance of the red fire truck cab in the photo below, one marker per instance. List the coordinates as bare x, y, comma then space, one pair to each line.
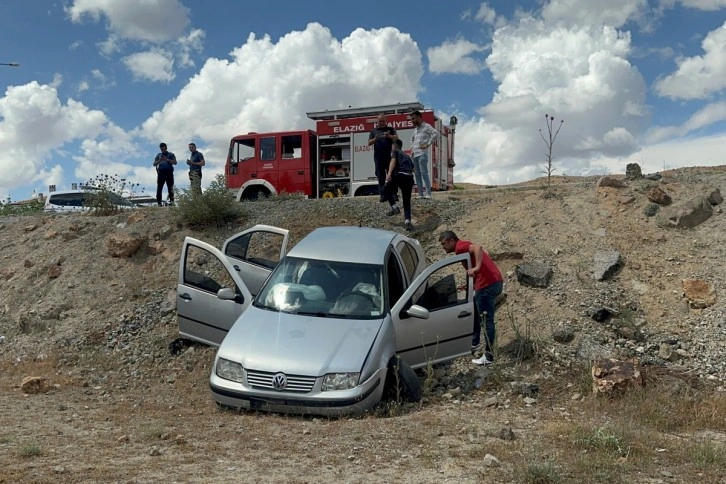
333, 161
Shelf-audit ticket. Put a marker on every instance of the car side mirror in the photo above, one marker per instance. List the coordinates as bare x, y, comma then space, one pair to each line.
227, 294
417, 311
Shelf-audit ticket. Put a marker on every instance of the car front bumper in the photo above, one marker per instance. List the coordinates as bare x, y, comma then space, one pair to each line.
329, 403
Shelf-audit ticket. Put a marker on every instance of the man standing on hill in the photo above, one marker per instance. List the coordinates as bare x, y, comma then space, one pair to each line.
195, 162
424, 136
382, 138
488, 284
164, 163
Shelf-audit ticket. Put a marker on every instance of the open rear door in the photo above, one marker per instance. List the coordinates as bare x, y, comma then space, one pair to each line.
210, 293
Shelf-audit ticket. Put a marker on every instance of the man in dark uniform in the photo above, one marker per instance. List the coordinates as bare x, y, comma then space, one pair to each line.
164, 163
382, 138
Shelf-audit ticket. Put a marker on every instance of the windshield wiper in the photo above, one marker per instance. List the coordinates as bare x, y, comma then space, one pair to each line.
319, 314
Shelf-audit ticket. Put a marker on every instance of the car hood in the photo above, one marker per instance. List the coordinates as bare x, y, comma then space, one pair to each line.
295, 344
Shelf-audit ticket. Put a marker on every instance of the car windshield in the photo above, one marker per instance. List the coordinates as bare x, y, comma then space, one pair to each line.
323, 289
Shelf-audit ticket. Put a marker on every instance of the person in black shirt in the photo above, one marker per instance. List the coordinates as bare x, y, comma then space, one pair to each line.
400, 175
164, 163
382, 138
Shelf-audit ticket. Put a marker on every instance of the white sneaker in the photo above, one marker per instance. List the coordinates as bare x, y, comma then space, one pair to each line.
427, 196
482, 361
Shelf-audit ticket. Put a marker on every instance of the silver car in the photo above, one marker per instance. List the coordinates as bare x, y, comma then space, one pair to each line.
327, 327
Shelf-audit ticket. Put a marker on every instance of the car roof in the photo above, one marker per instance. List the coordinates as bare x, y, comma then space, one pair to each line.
361, 245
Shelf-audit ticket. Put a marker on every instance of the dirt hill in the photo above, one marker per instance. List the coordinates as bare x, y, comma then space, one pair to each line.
120, 407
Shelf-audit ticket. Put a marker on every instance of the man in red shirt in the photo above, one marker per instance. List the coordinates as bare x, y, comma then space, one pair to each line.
488, 284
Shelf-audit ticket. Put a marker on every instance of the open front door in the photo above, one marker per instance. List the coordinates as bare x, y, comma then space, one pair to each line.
210, 293
445, 292
255, 252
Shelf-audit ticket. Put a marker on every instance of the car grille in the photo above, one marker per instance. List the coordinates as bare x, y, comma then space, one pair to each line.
295, 383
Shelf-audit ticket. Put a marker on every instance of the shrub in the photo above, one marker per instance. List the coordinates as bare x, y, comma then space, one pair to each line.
9, 209
215, 206
540, 473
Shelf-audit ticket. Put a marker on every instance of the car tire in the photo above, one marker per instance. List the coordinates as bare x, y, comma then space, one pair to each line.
402, 382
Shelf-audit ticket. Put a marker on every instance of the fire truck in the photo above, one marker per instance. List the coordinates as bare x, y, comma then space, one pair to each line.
335, 159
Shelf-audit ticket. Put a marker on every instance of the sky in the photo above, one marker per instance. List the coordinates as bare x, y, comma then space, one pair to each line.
102, 82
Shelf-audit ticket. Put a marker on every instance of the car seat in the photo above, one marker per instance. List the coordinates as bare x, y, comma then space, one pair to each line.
317, 274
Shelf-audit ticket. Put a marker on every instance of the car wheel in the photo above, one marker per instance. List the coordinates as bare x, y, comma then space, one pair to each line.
402, 382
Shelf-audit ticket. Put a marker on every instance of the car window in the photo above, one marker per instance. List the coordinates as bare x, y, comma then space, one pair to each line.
443, 288
204, 271
323, 289
261, 248
394, 275
66, 199
409, 257
267, 149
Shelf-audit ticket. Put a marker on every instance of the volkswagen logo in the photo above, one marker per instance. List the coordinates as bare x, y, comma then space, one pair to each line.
279, 381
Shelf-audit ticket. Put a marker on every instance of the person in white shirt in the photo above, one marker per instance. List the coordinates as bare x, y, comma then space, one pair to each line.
424, 135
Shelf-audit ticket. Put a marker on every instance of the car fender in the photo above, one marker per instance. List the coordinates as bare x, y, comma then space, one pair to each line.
381, 351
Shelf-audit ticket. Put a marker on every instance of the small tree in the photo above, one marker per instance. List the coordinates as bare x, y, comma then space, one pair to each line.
550, 141
105, 193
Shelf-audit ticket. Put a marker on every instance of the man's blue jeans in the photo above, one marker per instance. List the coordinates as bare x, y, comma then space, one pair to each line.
484, 300
421, 172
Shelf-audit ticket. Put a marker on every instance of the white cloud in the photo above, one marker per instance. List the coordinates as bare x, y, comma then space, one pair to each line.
578, 74
107, 153
704, 117
83, 86
267, 85
455, 57
700, 76
486, 14
192, 42
34, 125
110, 46
614, 13
154, 65
674, 153
144, 20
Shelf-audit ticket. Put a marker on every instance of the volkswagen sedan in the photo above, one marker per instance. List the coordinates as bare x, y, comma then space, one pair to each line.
326, 328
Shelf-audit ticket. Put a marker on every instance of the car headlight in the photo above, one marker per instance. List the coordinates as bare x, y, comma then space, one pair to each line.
340, 381
229, 370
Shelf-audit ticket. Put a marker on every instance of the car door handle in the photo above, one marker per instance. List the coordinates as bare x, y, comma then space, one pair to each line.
185, 296
253, 175
235, 267
464, 314
301, 172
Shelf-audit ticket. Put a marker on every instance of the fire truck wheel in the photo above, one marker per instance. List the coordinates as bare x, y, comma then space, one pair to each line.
255, 193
